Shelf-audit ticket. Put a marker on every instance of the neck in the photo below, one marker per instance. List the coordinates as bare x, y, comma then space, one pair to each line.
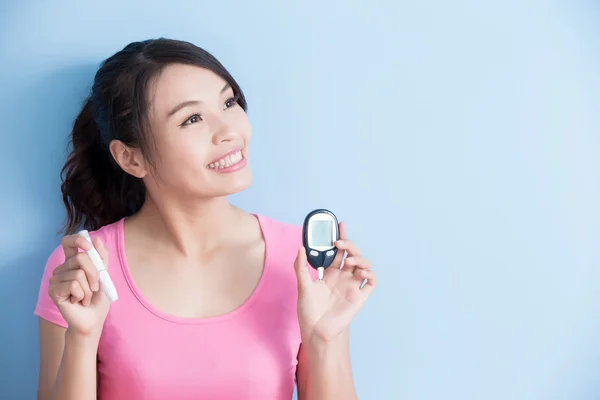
192, 228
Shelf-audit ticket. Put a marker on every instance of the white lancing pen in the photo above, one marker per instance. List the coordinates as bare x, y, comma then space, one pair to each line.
106, 283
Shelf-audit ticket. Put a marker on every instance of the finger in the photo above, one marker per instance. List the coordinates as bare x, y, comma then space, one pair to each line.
80, 276
356, 262
342, 227
91, 272
81, 261
371, 278
75, 288
348, 246
99, 245
361, 274
72, 243
63, 291
337, 261
301, 267
69, 264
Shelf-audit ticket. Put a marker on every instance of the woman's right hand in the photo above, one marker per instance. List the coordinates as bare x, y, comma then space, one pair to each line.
75, 287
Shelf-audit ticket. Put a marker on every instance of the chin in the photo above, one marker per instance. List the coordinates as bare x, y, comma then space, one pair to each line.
233, 183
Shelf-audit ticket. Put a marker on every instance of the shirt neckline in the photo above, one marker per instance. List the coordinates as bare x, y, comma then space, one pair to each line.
184, 320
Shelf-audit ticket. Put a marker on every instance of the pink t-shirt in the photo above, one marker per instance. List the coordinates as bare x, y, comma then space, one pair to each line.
249, 353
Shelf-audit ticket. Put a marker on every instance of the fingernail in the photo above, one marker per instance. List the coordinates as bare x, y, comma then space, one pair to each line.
95, 287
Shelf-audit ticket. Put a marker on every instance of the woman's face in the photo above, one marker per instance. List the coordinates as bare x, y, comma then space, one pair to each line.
200, 132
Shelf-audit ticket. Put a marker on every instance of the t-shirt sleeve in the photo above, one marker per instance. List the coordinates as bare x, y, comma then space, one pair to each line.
45, 307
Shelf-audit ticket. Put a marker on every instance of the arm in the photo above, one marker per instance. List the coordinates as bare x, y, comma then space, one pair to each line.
67, 364
325, 310
325, 371
72, 311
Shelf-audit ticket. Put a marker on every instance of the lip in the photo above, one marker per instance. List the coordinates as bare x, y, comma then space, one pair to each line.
232, 168
227, 153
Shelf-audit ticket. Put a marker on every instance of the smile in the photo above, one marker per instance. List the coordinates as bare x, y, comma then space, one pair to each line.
227, 161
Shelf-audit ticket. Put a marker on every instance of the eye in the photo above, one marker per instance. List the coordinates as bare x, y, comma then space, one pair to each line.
231, 101
192, 119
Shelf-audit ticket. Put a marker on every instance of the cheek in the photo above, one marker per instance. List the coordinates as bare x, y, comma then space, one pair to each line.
186, 153
241, 124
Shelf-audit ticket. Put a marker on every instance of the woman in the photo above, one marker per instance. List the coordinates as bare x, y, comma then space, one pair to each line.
214, 303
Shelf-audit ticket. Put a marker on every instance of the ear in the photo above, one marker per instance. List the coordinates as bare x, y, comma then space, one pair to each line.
129, 158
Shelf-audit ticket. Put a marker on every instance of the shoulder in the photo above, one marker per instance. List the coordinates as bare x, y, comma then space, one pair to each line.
281, 234
109, 235
283, 240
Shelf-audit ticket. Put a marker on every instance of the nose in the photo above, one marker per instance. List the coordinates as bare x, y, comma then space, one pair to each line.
221, 130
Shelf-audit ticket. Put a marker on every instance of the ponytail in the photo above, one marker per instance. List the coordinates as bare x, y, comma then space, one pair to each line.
95, 190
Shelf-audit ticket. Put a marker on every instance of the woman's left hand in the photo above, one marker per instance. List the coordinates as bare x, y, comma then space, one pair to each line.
326, 308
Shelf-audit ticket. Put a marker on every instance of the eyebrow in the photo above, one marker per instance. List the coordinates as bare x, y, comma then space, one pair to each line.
192, 102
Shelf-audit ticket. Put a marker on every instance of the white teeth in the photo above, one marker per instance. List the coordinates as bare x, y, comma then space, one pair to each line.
226, 161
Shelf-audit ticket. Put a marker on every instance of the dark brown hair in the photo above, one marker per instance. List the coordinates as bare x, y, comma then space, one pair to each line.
95, 190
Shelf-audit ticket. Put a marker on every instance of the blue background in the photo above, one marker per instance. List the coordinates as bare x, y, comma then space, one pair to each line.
459, 140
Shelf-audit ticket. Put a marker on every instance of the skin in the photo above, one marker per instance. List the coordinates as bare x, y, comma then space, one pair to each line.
198, 235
